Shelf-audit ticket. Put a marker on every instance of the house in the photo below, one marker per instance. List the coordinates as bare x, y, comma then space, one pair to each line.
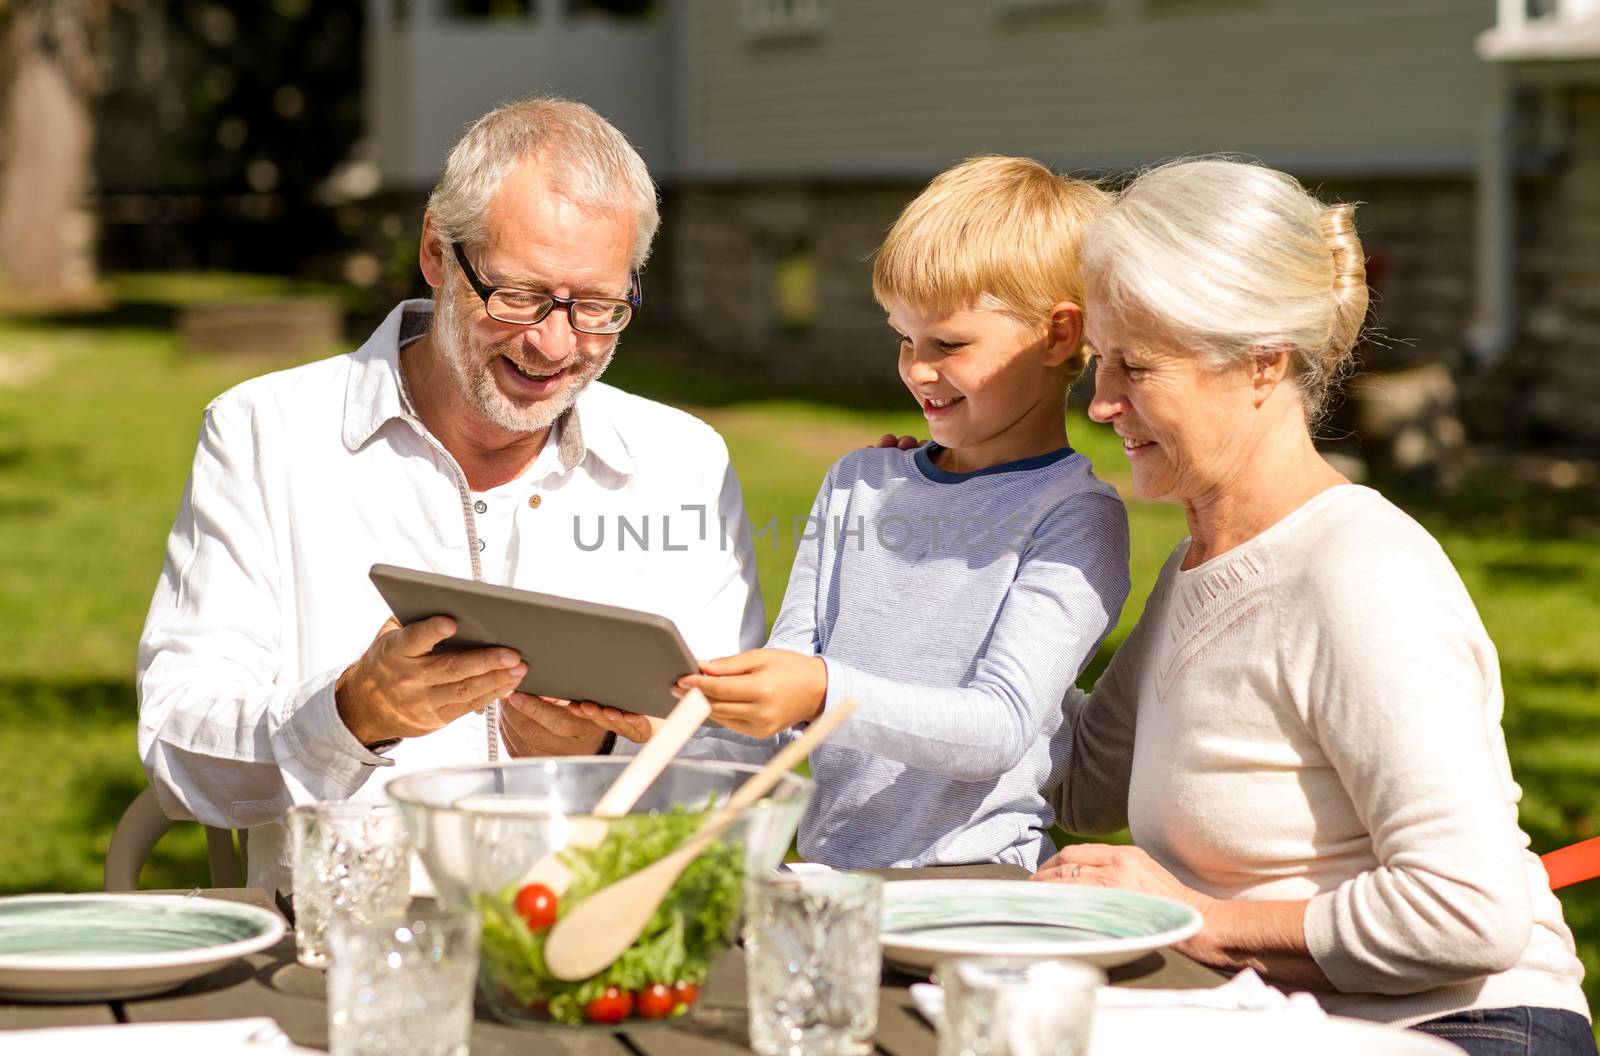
1539, 245
786, 135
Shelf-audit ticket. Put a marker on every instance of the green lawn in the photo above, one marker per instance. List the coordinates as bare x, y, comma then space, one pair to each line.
97, 422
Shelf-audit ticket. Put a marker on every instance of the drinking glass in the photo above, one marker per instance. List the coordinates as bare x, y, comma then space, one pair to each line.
403, 985
352, 861
813, 961
1016, 1006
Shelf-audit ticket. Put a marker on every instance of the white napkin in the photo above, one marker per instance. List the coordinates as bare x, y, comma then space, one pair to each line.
1245, 992
226, 1037
807, 867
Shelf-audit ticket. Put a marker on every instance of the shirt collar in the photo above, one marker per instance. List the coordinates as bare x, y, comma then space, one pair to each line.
375, 396
590, 429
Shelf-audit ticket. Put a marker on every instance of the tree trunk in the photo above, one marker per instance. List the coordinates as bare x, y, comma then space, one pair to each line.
46, 139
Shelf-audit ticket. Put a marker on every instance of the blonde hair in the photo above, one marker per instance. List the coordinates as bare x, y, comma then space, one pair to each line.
991, 233
1229, 257
581, 154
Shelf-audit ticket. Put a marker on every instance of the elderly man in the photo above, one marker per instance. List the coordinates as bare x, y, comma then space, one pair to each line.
469, 436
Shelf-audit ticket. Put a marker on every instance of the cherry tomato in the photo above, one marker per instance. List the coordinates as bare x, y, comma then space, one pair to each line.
536, 905
654, 1001
684, 994
612, 1006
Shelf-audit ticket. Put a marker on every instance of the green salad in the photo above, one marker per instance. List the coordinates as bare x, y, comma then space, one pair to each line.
660, 974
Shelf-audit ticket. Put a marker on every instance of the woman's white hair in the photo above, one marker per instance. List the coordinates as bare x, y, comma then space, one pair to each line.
1230, 257
582, 155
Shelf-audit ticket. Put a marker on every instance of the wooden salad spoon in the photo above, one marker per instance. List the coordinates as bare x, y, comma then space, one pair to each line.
590, 831
598, 930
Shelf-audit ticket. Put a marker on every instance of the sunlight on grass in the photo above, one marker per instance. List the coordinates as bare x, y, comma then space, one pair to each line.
178, 288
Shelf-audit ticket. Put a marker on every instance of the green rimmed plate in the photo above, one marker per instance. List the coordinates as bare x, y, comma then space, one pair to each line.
107, 947
926, 921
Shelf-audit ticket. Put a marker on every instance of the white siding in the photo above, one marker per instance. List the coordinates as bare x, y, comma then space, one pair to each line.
903, 87
428, 79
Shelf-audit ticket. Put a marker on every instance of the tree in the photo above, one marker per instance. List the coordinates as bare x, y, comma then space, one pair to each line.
49, 74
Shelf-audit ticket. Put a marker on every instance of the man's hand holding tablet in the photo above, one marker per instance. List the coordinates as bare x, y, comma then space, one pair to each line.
564, 650
401, 688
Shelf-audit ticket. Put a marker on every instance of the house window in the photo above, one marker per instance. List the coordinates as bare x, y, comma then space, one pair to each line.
778, 18
796, 298
518, 9
1028, 7
613, 8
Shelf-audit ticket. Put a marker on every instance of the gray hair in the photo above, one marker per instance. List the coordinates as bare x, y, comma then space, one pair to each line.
582, 155
1230, 257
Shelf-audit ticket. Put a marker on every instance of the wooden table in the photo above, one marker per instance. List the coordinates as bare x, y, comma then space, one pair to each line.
273, 984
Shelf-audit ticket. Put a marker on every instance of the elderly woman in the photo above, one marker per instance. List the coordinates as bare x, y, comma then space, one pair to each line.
1303, 731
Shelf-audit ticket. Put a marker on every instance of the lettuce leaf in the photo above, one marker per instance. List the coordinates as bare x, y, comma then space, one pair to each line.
687, 931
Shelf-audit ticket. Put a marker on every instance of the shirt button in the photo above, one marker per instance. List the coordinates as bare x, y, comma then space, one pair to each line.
481, 506
481, 545
534, 501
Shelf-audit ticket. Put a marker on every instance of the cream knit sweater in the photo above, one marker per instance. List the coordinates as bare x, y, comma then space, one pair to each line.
1316, 715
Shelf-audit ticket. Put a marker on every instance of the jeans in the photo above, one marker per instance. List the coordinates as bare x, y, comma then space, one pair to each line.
1520, 1031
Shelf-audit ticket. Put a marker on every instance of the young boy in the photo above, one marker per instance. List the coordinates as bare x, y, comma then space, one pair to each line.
954, 591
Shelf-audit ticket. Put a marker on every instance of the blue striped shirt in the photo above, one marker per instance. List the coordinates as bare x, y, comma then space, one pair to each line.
956, 610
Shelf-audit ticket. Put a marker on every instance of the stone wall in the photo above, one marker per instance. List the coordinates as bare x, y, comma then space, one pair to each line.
724, 244
727, 245
1548, 387
1418, 235
726, 241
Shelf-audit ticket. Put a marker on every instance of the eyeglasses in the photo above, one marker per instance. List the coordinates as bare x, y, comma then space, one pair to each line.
588, 315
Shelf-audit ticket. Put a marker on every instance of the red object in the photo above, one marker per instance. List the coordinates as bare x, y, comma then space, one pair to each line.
536, 905
654, 1001
1574, 864
612, 1006
685, 994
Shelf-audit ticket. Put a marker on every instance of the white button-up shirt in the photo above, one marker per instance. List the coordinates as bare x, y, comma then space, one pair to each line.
304, 479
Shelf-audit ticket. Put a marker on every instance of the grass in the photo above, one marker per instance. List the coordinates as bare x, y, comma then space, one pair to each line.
98, 417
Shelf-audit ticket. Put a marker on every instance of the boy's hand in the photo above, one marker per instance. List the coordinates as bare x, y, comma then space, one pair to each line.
763, 691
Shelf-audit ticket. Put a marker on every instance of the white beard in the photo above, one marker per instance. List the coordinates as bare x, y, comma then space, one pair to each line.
475, 381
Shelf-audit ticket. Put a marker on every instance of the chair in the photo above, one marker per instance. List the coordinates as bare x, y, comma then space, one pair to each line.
135, 836
1574, 864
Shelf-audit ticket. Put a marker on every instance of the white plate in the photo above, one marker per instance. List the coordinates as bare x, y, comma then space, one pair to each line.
1212, 1032
259, 1036
926, 921
108, 947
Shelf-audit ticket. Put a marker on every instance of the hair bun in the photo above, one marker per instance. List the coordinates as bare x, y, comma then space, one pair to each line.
1338, 223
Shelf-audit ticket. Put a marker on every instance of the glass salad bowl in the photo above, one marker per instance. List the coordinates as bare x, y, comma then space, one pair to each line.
517, 842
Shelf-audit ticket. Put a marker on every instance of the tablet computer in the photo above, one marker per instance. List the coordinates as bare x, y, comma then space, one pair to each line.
575, 650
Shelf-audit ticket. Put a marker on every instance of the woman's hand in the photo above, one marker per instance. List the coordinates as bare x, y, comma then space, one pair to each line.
1130, 868
1107, 865
1266, 935
760, 692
